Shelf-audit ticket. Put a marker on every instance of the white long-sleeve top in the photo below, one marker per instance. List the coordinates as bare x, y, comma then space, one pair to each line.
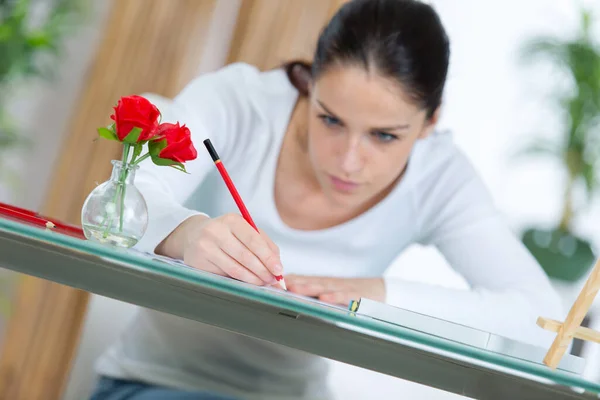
440, 201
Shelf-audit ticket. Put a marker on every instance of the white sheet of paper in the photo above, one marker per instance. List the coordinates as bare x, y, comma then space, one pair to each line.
275, 290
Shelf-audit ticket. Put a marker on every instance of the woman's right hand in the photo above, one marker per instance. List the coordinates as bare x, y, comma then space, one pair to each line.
227, 246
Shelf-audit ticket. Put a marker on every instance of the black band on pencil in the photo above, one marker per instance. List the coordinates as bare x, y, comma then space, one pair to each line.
211, 150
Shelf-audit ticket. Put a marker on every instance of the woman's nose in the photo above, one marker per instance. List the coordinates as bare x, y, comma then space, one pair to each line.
351, 158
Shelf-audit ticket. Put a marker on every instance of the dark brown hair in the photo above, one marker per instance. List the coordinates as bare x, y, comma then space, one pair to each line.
401, 39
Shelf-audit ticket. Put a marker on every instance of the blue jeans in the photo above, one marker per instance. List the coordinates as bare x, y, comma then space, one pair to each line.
118, 389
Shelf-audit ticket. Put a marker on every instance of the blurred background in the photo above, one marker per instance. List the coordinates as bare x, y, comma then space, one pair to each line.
523, 102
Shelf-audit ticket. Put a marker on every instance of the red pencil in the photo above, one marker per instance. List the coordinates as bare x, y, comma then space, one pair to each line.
234, 193
32, 217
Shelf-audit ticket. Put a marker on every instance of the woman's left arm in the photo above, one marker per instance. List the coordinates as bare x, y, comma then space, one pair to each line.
508, 288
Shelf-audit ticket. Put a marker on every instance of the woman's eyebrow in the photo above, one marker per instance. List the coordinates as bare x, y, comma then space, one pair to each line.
393, 128
389, 128
327, 110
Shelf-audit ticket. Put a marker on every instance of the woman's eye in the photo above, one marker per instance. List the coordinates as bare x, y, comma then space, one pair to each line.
329, 120
384, 137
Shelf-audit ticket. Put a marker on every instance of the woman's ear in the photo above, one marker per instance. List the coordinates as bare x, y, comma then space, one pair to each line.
302, 78
430, 123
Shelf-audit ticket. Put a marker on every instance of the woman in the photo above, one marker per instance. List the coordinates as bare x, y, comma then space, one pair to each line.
342, 170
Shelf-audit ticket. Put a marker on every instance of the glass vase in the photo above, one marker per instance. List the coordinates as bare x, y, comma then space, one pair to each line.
115, 212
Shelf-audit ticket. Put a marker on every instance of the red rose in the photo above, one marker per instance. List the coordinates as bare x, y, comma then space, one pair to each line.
135, 112
175, 143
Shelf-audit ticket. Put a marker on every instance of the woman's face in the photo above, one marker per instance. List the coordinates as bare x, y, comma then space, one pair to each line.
361, 130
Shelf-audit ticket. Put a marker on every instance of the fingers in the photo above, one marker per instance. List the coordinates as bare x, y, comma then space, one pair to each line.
305, 289
341, 298
322, 290
229, 246
244, 257
271, 244
314, 285
257, 244
231, 267
329, 290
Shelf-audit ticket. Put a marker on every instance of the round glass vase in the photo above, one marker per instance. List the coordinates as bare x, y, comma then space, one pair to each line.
115, 212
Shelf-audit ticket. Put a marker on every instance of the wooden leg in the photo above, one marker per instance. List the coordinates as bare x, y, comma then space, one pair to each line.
573, 321
582, 332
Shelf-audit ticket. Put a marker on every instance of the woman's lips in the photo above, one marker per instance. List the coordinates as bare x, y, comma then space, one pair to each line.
342, 185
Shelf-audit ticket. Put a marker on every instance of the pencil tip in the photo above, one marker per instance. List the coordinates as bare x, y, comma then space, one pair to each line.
282, 283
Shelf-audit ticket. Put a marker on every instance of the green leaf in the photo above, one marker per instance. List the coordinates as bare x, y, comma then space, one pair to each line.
588, 172
544, 48
133, 136
539, 147
163, 162
179, 167
137, 150
107, 134
6, 32
38, 39
155, 147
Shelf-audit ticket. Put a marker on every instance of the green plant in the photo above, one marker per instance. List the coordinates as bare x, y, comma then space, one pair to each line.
30, 45
561, 252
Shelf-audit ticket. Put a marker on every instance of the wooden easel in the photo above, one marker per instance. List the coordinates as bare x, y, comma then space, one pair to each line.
572, 328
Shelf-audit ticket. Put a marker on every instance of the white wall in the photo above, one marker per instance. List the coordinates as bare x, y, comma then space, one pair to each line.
491, 105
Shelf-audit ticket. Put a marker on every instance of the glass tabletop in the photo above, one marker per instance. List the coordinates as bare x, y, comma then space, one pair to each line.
336, 315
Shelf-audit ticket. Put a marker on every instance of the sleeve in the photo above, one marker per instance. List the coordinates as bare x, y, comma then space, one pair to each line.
211, 107
508, 288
